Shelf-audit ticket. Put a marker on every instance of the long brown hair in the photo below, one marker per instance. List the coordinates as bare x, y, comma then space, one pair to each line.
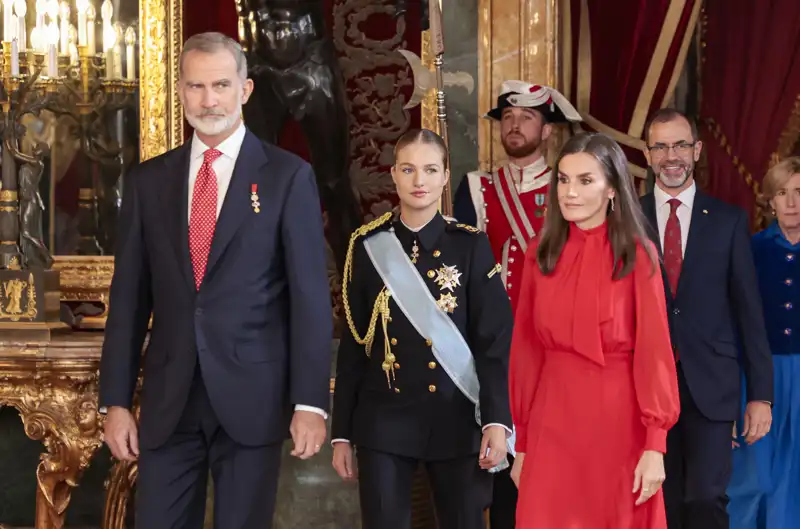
626, 222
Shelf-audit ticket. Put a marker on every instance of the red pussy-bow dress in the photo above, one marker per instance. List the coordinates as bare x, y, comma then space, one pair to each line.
593, 385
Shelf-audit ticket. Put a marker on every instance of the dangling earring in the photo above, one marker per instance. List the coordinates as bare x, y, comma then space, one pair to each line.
612, 203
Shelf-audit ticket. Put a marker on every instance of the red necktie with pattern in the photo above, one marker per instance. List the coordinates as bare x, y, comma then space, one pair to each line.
203, 217
673, 251
673, 248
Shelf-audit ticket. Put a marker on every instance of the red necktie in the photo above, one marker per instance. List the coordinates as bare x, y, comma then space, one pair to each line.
203, 218
673, 248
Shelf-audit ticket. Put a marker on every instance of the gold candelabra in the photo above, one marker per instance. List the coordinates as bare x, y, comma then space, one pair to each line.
78, 83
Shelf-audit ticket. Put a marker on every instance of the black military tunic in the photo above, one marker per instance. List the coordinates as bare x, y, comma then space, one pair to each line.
411, 410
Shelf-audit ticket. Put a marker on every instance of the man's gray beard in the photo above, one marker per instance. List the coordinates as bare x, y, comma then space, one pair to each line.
215, 127
673, 183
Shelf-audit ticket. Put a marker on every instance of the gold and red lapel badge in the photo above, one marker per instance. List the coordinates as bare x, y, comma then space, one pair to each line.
254, 198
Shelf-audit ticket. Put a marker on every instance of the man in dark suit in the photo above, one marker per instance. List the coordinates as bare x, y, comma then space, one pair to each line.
713, 304
222, 241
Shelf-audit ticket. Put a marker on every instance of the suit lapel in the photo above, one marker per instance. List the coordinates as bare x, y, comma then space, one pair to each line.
649, 208
176, 191
237, 204
698, 232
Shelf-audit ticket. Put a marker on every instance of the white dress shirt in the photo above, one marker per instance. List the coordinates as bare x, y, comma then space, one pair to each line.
223, 168
684, 212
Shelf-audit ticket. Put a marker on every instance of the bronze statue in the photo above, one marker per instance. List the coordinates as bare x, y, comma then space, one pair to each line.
34, 250
297, 75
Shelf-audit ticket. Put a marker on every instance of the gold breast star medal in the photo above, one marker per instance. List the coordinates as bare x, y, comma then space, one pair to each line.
447, 302
254, 198
447, 277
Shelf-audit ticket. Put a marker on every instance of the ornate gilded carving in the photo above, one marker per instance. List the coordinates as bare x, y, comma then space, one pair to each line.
54, 389
161, 37
11, 300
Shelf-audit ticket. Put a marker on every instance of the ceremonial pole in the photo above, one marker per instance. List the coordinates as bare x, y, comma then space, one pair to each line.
422, 84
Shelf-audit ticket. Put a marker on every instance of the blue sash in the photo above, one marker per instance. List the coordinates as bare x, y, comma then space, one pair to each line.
414, 299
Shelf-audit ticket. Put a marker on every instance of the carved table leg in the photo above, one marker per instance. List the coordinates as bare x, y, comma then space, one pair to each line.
118, 491
65, 419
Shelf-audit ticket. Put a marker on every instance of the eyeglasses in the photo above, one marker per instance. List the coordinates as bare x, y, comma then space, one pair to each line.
681, 148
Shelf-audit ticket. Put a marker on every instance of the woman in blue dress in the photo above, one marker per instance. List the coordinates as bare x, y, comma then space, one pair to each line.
766, 475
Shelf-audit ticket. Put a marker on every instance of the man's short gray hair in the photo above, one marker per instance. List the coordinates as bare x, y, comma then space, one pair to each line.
213, 42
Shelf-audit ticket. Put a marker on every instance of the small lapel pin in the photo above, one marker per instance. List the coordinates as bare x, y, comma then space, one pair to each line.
254, 198
705, 212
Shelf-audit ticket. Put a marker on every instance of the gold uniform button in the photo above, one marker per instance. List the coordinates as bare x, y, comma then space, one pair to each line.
397, 390
428, 343
432, 365
431, 274
432, 388
397, 365
437, 253
394, 341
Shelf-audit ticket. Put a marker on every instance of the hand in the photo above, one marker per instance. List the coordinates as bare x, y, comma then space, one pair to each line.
308, 433
494, 439
343, 461
649, 475
516, 469
757, 421
120, 434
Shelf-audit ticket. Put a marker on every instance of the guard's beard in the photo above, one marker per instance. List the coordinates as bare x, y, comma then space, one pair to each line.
521, 150
214, 123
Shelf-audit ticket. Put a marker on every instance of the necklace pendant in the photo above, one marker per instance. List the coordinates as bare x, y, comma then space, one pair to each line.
414, 253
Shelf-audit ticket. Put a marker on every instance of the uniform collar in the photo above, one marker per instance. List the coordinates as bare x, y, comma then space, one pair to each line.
531, 171
230, 147
427, 236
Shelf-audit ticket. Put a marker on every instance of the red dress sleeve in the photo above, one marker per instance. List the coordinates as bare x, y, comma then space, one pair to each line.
525, 364
654, 373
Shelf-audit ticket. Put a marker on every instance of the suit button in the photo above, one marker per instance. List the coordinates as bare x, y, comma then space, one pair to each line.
198, 312
508, 285
437, 253
432, 388
790, 257
397, 390
397, 365
676, 311
431, 274
394, 341
508, 274
513, 248
510, 259
432, 365
428, 343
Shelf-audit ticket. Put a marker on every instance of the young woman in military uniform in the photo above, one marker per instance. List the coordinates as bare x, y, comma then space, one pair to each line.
422, 370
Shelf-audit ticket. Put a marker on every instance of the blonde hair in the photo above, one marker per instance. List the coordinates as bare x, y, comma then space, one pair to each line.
776, 178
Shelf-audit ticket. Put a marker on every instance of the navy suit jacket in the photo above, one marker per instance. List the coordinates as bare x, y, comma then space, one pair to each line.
717, 305
261, 324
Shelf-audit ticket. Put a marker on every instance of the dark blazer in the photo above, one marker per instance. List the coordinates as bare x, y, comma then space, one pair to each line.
717, 306
260, 326
422, 414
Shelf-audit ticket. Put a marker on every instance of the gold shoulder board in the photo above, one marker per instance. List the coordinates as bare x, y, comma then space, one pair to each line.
467, 227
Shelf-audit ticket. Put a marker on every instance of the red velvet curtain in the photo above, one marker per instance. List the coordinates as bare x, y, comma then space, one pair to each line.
625, 56
750, 84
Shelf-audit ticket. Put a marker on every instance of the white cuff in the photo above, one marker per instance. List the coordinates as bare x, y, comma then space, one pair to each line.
303, 407
506, 428
334, 441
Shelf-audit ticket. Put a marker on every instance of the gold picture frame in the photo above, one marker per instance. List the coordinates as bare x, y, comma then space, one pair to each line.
88, 278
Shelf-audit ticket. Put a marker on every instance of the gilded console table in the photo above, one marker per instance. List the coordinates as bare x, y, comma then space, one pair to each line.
54, 388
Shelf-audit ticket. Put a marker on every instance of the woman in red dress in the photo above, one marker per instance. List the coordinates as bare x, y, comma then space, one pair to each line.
592, 377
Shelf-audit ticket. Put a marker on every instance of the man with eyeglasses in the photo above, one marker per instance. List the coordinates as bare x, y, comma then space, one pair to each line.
713, 305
